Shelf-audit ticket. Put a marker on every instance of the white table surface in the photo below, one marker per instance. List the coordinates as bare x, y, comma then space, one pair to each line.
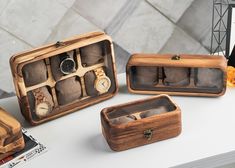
207, 138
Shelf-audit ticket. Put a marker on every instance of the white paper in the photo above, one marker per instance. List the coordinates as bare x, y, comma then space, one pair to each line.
232, 37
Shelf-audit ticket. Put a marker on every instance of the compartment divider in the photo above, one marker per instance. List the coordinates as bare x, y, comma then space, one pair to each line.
160, 77
53, 91
136, 115
83, 86
81, 71
192, 78
51, 82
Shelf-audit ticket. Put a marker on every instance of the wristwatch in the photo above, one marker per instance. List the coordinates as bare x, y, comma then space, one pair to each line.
42, 105
102, 82
67, 64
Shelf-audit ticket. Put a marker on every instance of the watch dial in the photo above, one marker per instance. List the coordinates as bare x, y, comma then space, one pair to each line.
43, 109
103, 85
67, 66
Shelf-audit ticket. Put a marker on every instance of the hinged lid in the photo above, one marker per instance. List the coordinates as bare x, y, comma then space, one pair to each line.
19, 60
171, 60
139, 107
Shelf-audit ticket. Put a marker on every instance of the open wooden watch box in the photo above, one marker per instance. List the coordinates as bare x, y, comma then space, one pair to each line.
189, 75
11, 137
140, 122
63, 77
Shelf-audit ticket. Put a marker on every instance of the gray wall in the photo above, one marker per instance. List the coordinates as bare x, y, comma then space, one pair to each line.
152, 26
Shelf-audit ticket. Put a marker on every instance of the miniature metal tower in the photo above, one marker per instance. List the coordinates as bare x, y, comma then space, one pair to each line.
219, 27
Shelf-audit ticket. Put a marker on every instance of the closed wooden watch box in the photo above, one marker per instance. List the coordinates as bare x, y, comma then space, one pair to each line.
63, 77
140, 122
188, 75
11, 137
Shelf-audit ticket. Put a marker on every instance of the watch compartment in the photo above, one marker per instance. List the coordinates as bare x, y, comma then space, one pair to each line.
189, 75
65, 76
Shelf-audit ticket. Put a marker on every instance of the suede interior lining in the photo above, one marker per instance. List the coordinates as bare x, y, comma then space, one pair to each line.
34, 73
144, 109
205, 80
70, 90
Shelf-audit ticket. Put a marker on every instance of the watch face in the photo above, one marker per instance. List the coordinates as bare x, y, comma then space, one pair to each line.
43, 109
67, 66
102, 84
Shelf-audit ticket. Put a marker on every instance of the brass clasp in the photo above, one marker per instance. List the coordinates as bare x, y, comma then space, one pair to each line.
148, 134
176, 57
59, 43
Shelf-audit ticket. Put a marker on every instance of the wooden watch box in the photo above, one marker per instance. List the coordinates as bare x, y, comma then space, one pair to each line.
188, 75
60, 78
140, 122
11, 137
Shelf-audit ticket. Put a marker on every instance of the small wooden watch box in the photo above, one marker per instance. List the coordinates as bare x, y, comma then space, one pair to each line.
11, 137
189, 75
63, 77
140, 122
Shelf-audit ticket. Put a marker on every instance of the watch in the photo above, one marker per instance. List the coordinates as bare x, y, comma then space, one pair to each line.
67, 64
102, 82
42, 105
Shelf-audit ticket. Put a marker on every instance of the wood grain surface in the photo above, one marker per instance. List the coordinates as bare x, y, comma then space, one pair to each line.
186, 83
135, 133
11, 138
45, 53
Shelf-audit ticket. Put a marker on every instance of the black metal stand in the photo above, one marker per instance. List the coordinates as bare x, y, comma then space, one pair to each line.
221, 27
231, 61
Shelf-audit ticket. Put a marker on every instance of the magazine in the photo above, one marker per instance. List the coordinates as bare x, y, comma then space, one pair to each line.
32, 149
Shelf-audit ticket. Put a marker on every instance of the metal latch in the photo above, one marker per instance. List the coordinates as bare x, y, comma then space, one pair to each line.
59, 43
176, 57
148, 134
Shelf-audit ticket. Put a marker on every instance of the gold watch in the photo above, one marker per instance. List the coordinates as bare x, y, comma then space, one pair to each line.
43, 106
102, 82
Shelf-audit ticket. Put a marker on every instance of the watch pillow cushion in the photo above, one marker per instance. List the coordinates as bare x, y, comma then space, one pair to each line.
122, 120
155, 111
176, 76
91, 54
90, 83
55, 68
209, 78
34, 73
146, 75
68, 90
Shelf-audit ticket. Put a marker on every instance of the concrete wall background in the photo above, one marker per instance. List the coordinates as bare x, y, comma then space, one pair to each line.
156, 26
